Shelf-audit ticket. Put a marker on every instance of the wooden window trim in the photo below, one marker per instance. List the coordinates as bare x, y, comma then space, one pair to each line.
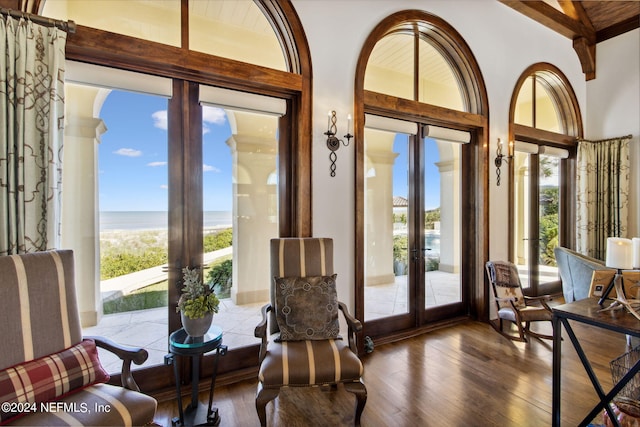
188, 69
476, 120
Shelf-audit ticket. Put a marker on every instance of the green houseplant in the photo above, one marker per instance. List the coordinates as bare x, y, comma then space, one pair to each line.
197, 304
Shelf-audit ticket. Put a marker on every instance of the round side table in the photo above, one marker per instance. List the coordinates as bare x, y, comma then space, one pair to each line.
181, 344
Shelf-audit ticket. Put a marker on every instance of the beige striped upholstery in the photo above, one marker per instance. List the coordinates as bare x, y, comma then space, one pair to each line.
37, 302
125, 408
38, 317
308, 362
296, 363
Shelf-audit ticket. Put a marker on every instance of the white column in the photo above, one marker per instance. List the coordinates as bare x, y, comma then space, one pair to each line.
255, 204
379, 208
80, 222
449, 216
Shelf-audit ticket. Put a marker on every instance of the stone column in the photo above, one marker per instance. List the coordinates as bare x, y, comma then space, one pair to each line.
80, 222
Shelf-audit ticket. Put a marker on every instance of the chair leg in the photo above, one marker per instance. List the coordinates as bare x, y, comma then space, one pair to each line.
264, 396
521, 331
360, 391
528, 331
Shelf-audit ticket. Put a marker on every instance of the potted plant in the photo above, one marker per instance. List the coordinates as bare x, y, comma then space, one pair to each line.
197, 304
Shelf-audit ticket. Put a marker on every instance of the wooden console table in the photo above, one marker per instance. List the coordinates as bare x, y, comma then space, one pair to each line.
587, 311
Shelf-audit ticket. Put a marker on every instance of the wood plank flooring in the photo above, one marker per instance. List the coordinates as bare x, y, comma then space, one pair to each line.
463, 375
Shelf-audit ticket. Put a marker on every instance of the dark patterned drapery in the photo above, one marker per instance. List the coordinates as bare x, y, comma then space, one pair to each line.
602, 193
31, 128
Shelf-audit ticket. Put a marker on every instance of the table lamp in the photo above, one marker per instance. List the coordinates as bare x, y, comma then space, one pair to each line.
620, 257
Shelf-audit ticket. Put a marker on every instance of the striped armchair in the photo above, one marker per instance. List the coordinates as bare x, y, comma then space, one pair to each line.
49, 374
311, 361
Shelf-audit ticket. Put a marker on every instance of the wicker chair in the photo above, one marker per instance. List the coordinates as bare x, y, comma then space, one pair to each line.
305, 362
513, 305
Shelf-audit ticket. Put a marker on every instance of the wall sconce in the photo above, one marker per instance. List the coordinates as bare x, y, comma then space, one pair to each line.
500, 157
333, 143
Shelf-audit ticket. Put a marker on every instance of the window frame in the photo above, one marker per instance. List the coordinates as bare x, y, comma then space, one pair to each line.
570, 118
189, 69
475, 248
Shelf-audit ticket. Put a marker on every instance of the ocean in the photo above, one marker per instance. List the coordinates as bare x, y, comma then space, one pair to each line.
154, 220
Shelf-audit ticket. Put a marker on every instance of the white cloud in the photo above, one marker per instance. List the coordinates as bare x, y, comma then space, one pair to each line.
129, 152
209, 168
160, 119
214, 115
210, 115
164, 186
153, 164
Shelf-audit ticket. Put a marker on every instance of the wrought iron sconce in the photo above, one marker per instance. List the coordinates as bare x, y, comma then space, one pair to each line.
333, 143
501, 157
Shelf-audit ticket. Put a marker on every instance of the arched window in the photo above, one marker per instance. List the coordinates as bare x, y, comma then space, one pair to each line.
544, 124
421, 113
222, 87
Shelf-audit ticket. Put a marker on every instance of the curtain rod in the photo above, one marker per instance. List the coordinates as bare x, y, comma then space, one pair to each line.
606, 140
68, 26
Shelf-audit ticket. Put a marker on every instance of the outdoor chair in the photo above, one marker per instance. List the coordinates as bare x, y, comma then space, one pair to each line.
299, 328
513, 305
44, 359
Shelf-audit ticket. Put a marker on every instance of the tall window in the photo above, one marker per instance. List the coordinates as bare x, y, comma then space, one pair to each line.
545, 122
211, 183
420, 93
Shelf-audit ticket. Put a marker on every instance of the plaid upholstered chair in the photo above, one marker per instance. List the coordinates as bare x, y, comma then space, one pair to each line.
44, 359
512, 304
299, 330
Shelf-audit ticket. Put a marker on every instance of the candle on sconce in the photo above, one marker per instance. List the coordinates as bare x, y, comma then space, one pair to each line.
348, 123
636, 252
619, 253
329, 121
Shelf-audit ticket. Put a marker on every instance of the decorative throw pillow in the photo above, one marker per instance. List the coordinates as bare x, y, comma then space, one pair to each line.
49, 378
307, 307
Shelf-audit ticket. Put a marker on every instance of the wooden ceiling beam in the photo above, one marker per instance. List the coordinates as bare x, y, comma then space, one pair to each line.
573, 24
575, 10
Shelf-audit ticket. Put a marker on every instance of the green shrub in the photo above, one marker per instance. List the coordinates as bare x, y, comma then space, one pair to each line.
220, 276
218, 240
114, 264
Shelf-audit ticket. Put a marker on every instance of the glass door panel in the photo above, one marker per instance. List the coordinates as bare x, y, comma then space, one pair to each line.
548, 205
387, 213
133, 216
441, 232
522, 209
240, 202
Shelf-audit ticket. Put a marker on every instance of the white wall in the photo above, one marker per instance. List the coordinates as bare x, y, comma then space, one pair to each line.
613, 105
504, 43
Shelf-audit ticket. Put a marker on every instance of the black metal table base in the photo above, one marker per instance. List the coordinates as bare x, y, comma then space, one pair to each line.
194, 414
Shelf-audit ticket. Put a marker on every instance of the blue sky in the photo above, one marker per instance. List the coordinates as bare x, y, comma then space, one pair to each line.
133, 157
432, 175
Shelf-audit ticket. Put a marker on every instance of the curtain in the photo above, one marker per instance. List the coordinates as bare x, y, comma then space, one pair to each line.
602, 193
31, 128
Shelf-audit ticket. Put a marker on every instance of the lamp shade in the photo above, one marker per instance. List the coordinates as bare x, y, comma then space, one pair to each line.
619, 253
636, 252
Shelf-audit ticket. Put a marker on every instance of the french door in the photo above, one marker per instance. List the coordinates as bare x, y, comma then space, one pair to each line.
537, 216
413, 227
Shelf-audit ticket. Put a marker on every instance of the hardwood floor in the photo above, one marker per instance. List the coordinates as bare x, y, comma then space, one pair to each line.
463, 375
